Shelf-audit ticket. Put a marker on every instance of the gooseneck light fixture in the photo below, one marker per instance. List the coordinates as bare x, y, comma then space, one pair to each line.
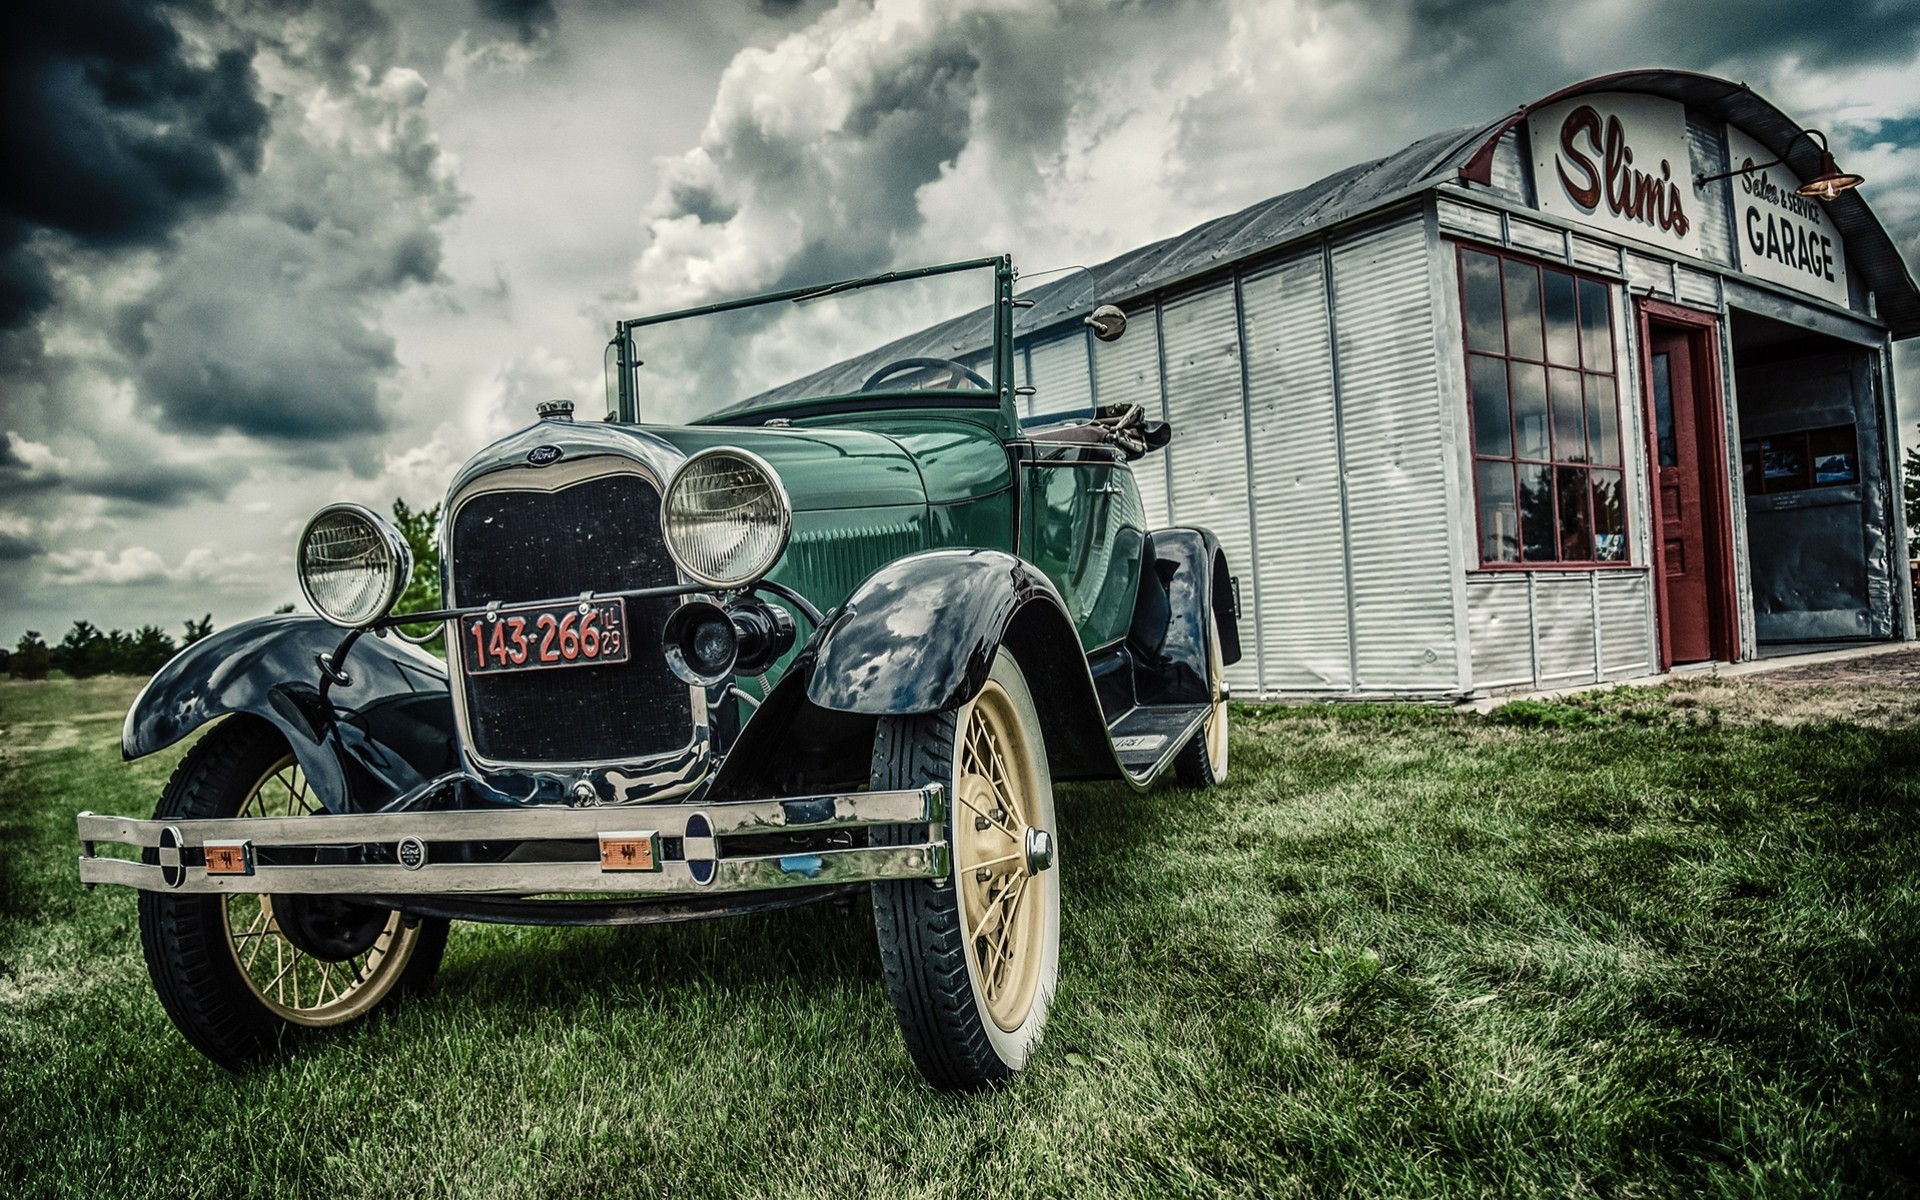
1829, 181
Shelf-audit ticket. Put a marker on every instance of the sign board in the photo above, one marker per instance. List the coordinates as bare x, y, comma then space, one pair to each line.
1779, 236
1618, 161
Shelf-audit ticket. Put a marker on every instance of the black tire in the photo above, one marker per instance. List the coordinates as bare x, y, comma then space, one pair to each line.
965, 1027
219, 1001
1202, 762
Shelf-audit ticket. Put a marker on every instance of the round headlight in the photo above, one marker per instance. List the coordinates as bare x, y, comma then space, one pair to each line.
353, 565
726, 517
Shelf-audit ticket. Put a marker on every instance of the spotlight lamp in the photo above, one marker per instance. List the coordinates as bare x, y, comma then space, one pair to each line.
1829, 181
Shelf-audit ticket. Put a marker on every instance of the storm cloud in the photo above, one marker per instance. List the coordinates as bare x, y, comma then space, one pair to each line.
114, 131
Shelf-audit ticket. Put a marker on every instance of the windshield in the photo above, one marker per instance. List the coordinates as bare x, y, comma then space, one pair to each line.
929, 331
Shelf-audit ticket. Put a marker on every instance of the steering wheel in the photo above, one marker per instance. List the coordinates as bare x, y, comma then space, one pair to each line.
955, 373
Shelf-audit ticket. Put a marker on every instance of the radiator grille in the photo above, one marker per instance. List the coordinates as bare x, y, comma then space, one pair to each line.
601, 535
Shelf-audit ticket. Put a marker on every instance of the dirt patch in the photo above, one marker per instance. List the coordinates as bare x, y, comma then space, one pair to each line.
1880, 690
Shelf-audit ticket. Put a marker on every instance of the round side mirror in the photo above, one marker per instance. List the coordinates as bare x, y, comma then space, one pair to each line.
1107, 323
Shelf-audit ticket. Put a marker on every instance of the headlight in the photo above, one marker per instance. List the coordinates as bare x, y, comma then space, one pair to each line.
726, 517
353, 565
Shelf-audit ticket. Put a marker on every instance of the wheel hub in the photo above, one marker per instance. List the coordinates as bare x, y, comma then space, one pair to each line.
330, 928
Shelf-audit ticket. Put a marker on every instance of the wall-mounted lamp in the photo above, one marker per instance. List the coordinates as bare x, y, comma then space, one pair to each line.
1827, 183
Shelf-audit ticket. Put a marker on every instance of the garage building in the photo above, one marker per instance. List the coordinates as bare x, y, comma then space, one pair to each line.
1524, 406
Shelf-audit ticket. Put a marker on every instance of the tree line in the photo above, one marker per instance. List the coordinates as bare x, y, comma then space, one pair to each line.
88, 650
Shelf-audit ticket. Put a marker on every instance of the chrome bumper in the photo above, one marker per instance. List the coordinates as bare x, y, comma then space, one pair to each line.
224, 856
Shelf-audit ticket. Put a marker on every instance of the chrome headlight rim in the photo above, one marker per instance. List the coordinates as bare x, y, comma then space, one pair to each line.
783, 527
398, 574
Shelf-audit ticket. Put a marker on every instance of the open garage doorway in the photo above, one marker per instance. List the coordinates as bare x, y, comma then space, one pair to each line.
1817, 497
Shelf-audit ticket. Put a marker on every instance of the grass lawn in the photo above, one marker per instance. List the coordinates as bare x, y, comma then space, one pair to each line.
1660, 942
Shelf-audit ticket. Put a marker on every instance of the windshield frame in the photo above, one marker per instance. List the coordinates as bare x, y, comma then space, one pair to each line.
627, 411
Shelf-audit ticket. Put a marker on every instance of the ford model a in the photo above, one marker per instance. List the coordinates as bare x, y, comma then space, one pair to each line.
841, 635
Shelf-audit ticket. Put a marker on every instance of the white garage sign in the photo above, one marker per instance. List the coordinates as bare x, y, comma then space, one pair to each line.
1779, 236
1618, 161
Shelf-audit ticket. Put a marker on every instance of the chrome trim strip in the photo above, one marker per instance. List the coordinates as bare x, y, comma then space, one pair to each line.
857, 865
833, 811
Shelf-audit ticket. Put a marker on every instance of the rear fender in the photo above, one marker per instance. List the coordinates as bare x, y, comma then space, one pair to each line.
365, 742
1183, 580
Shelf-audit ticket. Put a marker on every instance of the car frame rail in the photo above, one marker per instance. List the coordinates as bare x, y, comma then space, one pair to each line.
665, 849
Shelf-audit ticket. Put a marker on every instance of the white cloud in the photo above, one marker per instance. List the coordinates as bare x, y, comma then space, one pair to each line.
205, 565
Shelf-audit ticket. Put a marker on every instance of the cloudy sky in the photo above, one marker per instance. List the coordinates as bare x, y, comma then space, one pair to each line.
256, 255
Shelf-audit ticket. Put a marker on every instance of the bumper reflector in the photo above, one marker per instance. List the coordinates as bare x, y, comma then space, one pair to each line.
229, 858
637, 851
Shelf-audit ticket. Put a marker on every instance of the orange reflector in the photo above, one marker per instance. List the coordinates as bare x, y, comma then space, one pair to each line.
229, 858
638, 851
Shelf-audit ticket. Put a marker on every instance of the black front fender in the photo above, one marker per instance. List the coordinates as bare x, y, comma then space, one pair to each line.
360, 744
920, 634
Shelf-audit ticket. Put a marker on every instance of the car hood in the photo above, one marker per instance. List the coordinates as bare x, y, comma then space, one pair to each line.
822, 469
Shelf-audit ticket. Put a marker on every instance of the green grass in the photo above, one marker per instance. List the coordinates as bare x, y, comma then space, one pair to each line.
1661, 942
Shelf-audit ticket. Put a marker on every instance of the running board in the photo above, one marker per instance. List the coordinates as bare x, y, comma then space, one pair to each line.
1147, 736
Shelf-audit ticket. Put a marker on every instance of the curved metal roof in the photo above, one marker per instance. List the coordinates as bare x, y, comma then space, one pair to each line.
1467, 154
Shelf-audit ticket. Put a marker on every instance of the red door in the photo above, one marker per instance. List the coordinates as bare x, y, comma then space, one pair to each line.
1690, 489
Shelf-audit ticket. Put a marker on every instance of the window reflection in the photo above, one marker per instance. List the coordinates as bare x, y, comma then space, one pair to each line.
1563, 322
1499, 519
1492, 424
1523, 309
1663, 411
1480, 297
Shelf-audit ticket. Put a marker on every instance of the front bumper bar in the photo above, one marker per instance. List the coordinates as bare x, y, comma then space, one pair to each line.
667, 849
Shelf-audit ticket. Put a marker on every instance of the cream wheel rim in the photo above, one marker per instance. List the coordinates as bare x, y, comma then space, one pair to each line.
1003, 908
1217, 719
294, 985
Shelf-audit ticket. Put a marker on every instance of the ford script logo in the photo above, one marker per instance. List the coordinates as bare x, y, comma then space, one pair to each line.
540, 456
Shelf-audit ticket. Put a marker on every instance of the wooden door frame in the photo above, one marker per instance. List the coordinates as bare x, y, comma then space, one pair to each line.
1716, 493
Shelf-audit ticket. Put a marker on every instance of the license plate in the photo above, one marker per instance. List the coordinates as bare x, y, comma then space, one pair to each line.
580, 634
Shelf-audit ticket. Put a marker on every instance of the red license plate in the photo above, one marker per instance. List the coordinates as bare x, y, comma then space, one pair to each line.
582, 634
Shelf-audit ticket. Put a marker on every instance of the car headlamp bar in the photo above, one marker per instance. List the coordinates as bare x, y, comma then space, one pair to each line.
781, 590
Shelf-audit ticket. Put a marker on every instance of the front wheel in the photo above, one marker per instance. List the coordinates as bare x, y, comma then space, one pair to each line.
971, 961
242, 974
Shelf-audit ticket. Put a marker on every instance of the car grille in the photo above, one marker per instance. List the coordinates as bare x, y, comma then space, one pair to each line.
600, 535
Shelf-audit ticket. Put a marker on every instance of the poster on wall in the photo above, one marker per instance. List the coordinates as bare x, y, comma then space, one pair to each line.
1779, 236
1618, 161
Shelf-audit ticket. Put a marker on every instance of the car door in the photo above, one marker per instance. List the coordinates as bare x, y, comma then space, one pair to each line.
1085, 528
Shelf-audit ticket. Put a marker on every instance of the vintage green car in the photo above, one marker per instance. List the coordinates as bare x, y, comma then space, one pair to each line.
834, 622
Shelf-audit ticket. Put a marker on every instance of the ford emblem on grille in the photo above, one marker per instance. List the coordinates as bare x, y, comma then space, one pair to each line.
540, 456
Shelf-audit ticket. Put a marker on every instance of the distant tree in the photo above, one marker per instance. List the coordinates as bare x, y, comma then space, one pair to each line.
197, 629
421, 528
31, 658
1912, 481
148, 650
6, 660
284, 608
85, 651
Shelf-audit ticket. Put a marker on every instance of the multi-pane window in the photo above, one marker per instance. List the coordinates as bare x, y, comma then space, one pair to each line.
1546, 413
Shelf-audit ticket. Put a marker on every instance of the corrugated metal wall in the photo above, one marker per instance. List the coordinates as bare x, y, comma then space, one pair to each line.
1058, 374
1206, 405
1293, 425
1398, 534
1128, 372
1553, 629
1707, 149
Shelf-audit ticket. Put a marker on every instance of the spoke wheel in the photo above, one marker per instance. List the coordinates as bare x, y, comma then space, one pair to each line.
241, 975
1203, 761
971, 961
313, 987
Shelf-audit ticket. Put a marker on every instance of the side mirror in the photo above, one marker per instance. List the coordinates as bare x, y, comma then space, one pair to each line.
1107, 323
